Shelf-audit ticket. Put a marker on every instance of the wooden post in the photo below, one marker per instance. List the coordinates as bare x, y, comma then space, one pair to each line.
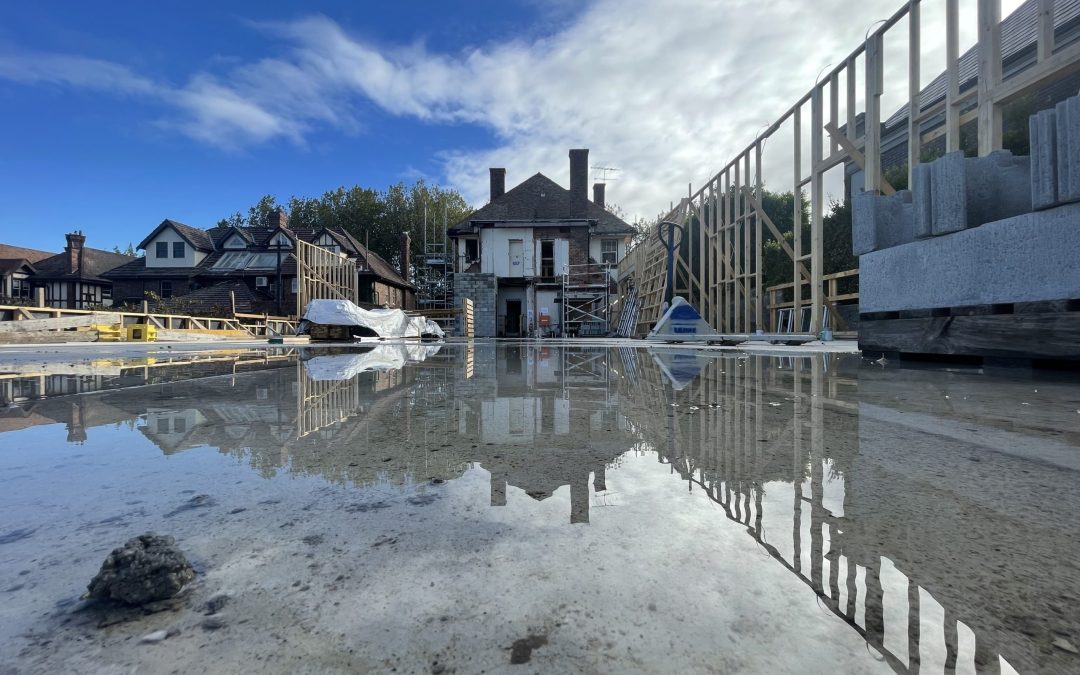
989, 48
759, 252
1046, 29
914, 133
872, 146
232, 303
817, 239
952, 70
39, 292
797, 220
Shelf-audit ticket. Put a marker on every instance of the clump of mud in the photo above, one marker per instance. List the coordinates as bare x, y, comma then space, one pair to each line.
145, 569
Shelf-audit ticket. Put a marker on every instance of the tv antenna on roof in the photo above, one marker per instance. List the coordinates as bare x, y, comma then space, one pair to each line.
603, 171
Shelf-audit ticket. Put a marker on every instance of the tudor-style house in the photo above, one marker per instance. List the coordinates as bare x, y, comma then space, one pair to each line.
253, 267
540, 259
72, 279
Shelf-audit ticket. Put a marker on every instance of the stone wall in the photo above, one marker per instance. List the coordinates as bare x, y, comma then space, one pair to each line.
482, 290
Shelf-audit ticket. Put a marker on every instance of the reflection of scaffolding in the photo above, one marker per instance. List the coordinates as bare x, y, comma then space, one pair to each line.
586, 300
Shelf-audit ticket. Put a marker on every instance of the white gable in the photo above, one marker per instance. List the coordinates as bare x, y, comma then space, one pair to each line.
235, 241
280, 239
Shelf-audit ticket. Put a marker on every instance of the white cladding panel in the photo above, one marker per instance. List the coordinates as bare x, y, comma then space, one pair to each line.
495, 251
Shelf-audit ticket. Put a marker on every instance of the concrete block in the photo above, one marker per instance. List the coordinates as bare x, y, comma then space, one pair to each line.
921, 202
1068, 149
881, 221
1042, 130
971, 191
948, 178
1026, 258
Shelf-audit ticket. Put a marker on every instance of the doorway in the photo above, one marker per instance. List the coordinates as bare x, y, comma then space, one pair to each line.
513, 318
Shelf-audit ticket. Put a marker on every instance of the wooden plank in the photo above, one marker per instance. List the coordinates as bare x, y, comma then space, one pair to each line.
1053, 335
30, 325
43, 337
857, 157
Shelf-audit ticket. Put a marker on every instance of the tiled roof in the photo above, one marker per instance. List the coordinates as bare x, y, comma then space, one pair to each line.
383, 269
95, 263
540, 198
199, 239
8, 265
19, 253
137, 269
216, 297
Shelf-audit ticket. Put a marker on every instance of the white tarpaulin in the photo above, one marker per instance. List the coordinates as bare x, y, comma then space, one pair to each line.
382, 357
385, 323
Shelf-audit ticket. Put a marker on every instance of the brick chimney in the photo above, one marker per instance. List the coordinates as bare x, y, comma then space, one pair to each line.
598, 194
579, 175
498, 182
406, 250
74, 249
277, 218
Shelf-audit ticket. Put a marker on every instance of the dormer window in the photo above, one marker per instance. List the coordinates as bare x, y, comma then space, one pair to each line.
161, 249
280, 240
178, 249
235, 242
329, 243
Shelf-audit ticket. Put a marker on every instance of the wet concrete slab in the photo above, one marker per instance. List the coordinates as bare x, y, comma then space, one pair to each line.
545, 508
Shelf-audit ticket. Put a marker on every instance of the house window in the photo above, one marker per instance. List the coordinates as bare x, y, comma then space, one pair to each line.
106, 292
179, 425
472, 250
162, 249
178, 249
166, 289
20, 288
609, 251
547, 259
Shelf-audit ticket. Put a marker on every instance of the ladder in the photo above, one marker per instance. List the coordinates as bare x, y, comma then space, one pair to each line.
628, 318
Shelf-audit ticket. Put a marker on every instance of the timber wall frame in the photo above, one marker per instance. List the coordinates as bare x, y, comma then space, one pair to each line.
323, 275
724, 278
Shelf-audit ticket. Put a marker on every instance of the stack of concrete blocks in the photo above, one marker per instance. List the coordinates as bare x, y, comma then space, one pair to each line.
978, 236
1055, 152
951, 194
482, 289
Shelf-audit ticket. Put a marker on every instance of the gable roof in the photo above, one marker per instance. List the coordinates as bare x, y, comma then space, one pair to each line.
8, 265
19, 253
95, 263
379, 267
199, 239
540, 198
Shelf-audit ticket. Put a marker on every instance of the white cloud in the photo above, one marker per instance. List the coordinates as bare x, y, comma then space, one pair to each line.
666, 91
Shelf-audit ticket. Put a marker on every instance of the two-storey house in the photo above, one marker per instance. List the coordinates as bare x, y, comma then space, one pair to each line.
251, 269
539, 259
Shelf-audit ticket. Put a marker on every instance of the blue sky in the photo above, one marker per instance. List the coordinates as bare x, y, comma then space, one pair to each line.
116, 115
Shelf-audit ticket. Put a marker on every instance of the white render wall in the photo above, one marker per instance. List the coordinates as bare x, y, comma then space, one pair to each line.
495, 251
595, 247
169, 235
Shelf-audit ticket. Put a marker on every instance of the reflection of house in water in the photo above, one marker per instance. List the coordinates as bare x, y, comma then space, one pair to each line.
894, 509
29, 394
888, 504
542, 418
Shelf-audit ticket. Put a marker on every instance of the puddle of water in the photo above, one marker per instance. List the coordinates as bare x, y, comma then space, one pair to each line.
465, 508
